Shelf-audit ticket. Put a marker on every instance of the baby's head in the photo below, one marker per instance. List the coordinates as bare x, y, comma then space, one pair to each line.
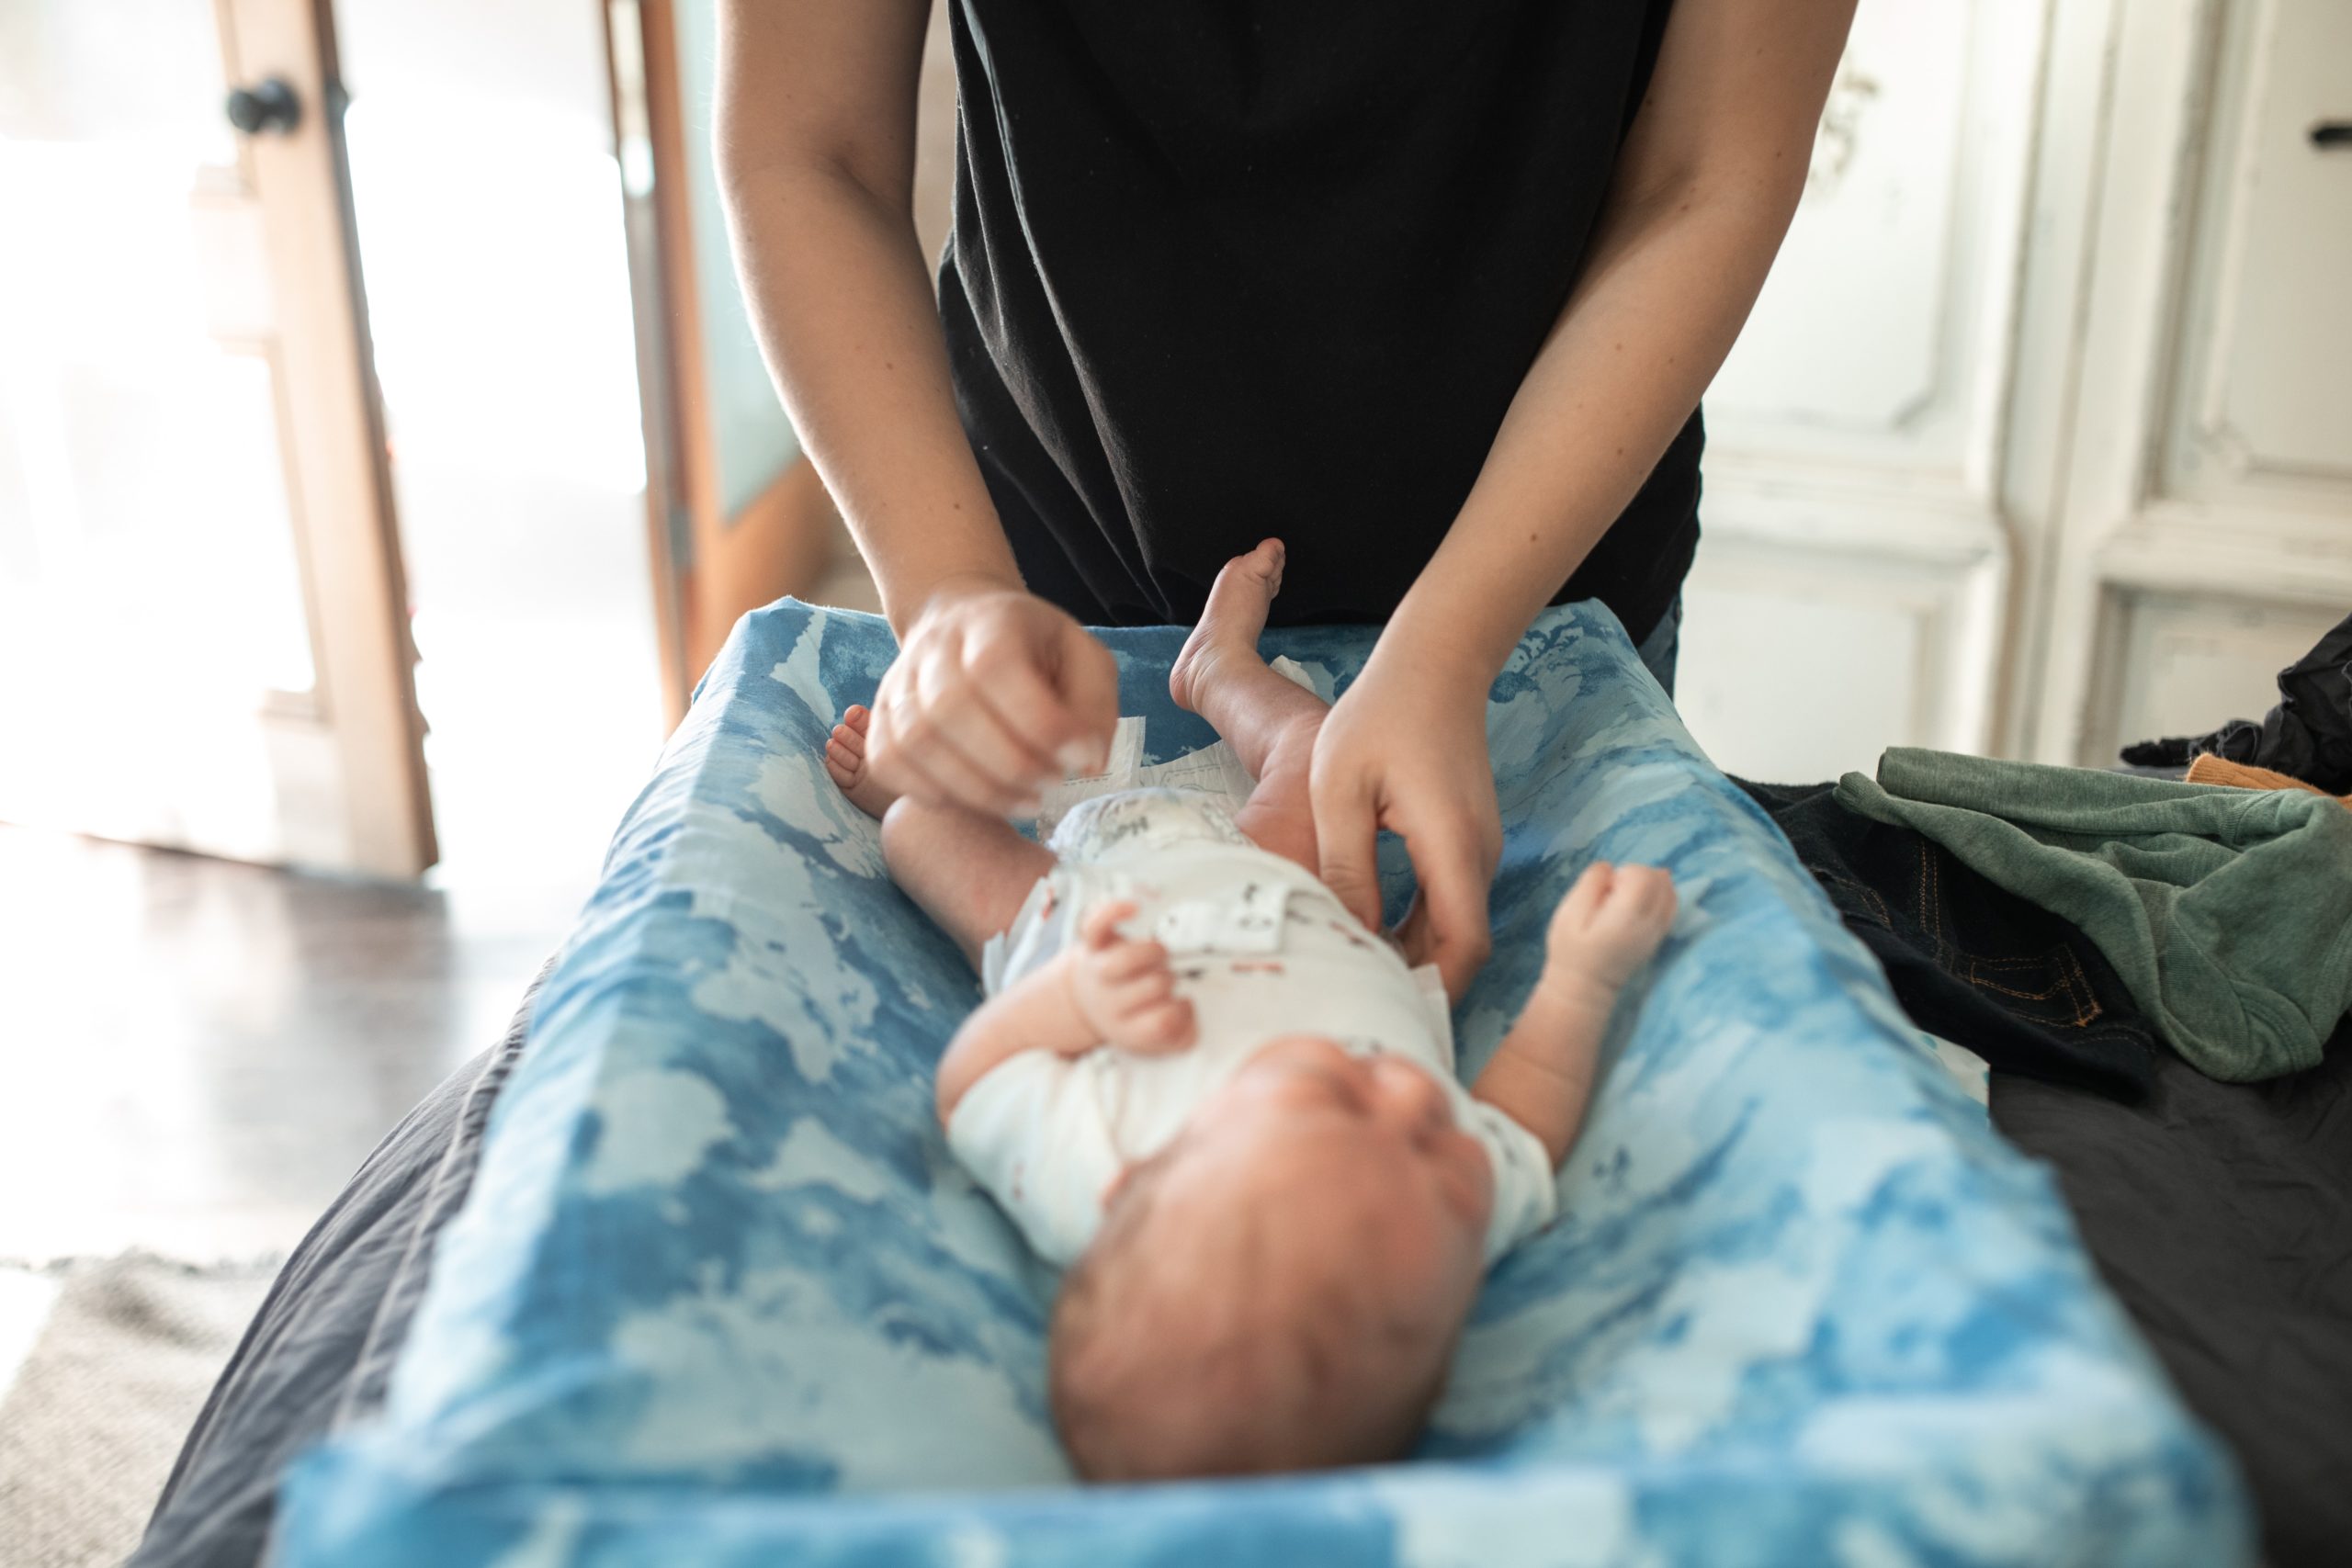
1282, 1286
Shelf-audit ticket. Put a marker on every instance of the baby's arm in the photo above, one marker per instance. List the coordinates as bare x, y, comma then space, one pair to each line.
1541, 1075
1103, 989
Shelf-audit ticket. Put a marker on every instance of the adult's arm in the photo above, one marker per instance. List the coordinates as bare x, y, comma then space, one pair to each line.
995, 691
1705, 184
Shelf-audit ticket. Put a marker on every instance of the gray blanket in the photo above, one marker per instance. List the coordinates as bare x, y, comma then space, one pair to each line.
319, 1351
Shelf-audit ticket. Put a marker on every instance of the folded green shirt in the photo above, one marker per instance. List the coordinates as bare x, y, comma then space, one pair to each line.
2228, 913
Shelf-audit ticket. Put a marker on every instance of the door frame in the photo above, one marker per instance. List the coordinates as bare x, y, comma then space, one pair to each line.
710, 563
355, 586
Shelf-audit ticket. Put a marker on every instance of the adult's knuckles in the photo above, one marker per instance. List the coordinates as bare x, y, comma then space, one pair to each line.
995, 658
946, 685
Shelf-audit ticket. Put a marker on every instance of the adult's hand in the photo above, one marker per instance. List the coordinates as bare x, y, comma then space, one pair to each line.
995, 695
1405, 749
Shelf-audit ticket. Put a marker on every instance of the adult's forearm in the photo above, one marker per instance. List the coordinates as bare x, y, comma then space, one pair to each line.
843, 310
1668, 284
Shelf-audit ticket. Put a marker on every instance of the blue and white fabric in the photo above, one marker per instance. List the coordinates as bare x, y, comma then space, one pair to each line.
721, 1296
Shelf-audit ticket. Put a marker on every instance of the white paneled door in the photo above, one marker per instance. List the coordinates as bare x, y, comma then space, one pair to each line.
2209, 504
2039, 439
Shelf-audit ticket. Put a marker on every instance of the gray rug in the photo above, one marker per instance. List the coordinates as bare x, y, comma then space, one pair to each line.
95, 1416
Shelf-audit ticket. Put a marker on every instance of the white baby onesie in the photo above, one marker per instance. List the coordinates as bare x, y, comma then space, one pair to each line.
1261, 948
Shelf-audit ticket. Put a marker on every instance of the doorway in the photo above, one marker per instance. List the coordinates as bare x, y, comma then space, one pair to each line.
490, 226
202, 637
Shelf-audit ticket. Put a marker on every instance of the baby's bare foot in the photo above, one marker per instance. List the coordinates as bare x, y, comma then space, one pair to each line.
846, 761
1232, 619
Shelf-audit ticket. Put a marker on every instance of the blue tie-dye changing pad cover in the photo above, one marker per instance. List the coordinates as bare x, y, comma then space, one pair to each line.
719, 1295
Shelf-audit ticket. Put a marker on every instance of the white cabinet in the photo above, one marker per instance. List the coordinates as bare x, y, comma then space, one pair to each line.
2180, 663
2266, 393
2040, 439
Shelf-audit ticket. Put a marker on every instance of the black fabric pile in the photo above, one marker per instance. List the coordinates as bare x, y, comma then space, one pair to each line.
2219, 1214
2308, 735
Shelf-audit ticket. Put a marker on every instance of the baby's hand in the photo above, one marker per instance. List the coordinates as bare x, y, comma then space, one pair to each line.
1608, 926
1124, 989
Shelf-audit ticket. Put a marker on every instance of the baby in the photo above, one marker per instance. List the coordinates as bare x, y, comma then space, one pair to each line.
1225, 1108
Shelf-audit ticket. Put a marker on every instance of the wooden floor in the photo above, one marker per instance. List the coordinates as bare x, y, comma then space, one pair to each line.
195, 1055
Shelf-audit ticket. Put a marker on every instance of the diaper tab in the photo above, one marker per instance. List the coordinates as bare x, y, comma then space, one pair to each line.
1122, 771
1250, 921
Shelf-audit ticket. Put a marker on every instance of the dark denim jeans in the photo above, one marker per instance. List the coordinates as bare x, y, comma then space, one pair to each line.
1970, 961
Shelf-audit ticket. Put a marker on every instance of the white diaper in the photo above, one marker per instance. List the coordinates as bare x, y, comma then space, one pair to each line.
1213, 771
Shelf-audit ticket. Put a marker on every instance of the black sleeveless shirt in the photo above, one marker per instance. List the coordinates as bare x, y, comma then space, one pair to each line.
1229, 268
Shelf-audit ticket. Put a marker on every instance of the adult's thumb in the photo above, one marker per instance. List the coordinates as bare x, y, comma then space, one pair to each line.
1347, 836
1088, 678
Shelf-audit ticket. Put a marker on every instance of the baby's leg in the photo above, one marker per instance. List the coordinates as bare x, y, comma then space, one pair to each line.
1270, 721
969, 870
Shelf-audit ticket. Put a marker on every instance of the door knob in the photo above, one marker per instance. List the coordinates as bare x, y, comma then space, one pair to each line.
2330, 133
268, 106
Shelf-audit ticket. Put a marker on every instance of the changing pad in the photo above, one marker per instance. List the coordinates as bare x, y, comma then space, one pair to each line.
719, 1295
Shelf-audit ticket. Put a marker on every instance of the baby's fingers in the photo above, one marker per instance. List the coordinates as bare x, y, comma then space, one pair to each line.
1641, 906
1127, 960
1665, 900
1139, 992
1100, 929
1590, 891
1649, 890
1166, 1027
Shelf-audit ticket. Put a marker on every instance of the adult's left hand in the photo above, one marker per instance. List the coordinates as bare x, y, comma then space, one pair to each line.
1405, 749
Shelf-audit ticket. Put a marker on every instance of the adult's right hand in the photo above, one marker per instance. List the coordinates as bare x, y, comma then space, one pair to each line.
994, 695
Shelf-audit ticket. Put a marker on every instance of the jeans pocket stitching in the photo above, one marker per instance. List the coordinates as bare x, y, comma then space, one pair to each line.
2059, 964
1878, 906
1931, 901
2086, 1006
